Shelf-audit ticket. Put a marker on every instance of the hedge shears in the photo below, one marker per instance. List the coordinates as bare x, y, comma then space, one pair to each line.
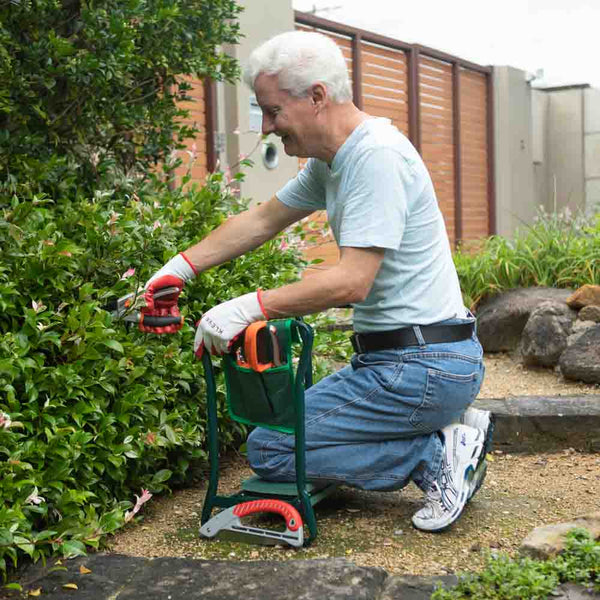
128, 308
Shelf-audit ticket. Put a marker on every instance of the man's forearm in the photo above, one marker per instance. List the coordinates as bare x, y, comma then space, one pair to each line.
236, 236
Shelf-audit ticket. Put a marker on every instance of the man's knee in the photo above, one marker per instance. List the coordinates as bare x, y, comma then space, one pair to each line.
254, 446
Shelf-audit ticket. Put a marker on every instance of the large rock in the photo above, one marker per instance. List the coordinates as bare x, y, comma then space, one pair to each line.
502, 318
586, 295
545, 334
581, 360
590, 313
547, 541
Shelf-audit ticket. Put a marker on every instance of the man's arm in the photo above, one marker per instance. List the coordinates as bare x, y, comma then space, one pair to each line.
242, 233
348, 282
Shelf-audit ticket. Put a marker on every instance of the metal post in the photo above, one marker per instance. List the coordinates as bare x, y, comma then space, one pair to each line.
456, 131
414, 117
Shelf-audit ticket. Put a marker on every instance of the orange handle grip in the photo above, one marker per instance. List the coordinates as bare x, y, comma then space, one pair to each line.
292, 517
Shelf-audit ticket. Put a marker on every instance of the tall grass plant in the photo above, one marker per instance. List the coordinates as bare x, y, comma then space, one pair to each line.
557, 250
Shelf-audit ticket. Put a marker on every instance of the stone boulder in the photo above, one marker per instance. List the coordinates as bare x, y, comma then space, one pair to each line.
579, 328
586, 295
549, 540
502, 317
590, 313
581, 360
545, 334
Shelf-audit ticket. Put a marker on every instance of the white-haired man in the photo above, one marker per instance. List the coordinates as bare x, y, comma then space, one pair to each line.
393, 415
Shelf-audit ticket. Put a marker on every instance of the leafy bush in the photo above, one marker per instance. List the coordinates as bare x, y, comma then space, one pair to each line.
507, 579
89, 90
90, 411
558, 250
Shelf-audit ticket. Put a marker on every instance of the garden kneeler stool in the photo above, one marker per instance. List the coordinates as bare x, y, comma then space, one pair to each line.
265, 388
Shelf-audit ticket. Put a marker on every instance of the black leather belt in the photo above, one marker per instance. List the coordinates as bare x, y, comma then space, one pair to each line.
400, 338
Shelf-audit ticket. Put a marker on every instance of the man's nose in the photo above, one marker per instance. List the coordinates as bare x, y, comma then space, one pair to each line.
267, 125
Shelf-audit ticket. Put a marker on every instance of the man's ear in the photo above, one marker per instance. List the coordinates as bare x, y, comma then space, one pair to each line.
318, 95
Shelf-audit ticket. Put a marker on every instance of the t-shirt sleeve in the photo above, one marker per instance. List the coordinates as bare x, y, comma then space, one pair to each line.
376, 201
306, 191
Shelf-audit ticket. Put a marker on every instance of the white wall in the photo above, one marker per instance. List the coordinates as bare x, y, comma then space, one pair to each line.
565, 149
261, 20
514, 176
592, 149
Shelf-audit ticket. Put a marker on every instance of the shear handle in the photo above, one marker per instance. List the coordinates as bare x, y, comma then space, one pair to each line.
292, 517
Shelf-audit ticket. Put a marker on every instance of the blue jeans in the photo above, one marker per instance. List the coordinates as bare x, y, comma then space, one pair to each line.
373, 424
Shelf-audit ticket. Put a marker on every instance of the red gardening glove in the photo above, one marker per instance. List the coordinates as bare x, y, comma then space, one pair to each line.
174, 274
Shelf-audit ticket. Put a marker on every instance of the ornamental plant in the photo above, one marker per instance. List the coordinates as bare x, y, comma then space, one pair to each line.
92, 411
89, 91
557, 250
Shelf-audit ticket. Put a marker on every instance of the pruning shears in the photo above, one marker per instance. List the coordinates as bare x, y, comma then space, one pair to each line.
127, 308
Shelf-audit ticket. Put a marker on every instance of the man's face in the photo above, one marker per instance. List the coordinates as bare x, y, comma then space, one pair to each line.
286, 116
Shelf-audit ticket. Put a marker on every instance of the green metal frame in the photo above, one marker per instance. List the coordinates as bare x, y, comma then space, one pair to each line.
303, 496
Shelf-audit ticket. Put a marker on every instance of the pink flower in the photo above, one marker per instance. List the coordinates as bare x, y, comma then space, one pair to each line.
146, 495
156, 225
114, 217
5, 421
129, 273
283, 245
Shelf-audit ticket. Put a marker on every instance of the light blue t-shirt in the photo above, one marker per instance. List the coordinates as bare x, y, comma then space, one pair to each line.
378, 193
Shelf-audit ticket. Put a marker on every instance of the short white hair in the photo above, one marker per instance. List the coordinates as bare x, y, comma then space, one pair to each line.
301, 59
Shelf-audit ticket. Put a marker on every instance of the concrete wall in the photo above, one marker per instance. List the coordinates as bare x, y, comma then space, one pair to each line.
514, 176
591, 126
565, 170
261, 20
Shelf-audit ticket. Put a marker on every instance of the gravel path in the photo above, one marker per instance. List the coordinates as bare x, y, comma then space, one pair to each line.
374, 529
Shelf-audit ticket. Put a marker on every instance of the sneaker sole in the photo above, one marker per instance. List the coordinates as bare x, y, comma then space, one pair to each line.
481, 469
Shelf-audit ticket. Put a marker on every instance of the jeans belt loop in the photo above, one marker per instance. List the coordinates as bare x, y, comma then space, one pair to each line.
419, 335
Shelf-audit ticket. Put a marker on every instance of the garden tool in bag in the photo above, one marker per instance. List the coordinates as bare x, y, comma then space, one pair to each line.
228, 525
127, 308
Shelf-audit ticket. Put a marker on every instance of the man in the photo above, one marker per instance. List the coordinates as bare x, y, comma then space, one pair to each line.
392, 416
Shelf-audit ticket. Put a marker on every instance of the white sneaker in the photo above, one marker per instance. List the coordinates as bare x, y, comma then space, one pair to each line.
447, 497
484, 420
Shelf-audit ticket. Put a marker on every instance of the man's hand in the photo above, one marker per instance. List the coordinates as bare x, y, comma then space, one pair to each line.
222, 325
174, 274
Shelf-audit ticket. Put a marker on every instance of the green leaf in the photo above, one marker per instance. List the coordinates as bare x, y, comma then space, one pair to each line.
114, 345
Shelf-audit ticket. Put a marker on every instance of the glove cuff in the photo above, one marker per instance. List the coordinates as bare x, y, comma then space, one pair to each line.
179, 266
260, 303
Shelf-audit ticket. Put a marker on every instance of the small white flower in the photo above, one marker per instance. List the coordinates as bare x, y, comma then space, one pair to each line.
34, 498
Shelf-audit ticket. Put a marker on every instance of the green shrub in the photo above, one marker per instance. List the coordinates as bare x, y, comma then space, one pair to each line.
92, 412
558, 250
89, 90
506, 579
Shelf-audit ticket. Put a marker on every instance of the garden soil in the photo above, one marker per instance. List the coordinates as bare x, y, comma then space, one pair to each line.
374, 529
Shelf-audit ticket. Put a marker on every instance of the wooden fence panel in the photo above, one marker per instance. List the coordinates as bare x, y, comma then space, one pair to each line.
195, 155
385, 83
437, 133
453, 132
474, 154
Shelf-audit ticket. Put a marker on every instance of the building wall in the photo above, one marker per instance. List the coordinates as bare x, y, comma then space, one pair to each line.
565, 170
260, 20
513, 135
592, 149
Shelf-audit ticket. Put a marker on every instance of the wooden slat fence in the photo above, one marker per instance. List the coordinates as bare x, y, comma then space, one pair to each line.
442, 103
